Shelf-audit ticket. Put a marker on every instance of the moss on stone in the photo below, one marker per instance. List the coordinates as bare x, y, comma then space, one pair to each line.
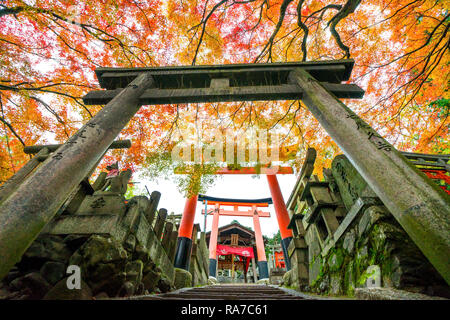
183, 278
336, 260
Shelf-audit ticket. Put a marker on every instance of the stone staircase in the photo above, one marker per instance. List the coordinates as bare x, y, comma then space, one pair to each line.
229, 292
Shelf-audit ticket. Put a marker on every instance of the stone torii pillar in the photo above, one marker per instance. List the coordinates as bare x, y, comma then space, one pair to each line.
262, 260
184, 242
25, 213
418, 204
213, 242
282, 217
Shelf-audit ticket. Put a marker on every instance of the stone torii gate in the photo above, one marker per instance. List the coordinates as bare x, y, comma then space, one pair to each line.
419, 206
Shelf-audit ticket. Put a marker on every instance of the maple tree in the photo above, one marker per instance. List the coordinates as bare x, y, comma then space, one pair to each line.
50, 49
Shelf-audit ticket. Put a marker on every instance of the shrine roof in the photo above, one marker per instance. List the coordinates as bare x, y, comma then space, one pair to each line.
235, 227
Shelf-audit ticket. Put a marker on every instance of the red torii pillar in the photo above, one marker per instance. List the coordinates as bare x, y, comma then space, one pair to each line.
184, 242
282, 217
213, 242
262, 260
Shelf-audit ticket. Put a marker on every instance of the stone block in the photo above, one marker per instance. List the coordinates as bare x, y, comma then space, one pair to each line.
102, 249
142, 231
183, 278
134, 271
296, 244
390, 294
373, 280
324, 284
130, 243
362, 256
151, 279
314, 270
61, 292
44, 248
33, 283
350, 183
335, 261
141, 253
314, 257
102, 204
127, 289
276, 279
53, 271
110, 285
335, 284
287, 279
349, 241
85, 225
370, 216
102, 262
291, 247
164, 284
349, 281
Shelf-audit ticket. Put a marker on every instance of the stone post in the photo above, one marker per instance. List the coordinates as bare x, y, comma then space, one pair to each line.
153, 206
255, 277
173, 244
159, 224
166, 236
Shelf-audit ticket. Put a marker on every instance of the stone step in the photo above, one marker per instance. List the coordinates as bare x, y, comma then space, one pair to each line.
235, 290
226, 292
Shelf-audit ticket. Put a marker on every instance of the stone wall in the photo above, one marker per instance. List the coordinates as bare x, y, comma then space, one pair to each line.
346, 239
122, 247
374, 238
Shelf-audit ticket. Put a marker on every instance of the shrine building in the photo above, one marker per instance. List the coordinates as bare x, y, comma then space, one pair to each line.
237, 260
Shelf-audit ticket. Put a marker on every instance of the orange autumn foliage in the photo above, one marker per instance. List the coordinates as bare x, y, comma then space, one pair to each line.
50, 49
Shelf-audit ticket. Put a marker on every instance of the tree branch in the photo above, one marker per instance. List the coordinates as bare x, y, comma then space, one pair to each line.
348, 8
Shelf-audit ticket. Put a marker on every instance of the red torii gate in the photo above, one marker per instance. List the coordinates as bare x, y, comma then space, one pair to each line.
254, 213
184, 243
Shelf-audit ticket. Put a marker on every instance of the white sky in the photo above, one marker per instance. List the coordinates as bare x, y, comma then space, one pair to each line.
227, 186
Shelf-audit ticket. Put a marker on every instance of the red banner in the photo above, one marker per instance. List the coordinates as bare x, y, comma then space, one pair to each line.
223, 250
242, 252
